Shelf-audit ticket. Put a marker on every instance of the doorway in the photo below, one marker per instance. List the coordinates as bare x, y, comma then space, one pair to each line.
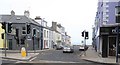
10, 44
112, 46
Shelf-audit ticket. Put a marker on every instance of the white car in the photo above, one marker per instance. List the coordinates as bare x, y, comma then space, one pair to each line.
83, 48
68, 49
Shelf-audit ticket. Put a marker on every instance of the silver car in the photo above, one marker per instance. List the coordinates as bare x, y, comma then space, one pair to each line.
68, 49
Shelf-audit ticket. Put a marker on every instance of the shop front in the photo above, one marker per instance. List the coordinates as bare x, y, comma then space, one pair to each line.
109, 38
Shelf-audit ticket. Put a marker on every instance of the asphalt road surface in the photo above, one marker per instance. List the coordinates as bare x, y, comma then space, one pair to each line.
59, 56
55, 57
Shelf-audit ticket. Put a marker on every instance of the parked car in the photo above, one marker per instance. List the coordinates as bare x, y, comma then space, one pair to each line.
83, 48
58, 47
68, 49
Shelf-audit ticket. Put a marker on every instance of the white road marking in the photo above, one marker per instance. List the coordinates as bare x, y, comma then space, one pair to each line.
19, 61
45, 61
8, 59
33, 58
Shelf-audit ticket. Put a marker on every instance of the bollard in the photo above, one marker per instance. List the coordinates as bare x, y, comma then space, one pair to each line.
23, 52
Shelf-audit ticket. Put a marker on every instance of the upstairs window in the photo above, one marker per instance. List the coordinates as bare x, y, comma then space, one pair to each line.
23, 30
117, 13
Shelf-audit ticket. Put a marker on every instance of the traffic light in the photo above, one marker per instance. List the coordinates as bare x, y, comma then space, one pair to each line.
83, 34
28, 28
2, 35
86, 35
4, 25
9, 27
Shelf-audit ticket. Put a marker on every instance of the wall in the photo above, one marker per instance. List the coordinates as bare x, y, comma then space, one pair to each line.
1, 40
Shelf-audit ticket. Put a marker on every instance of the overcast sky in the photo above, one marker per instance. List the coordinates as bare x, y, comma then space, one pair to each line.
74, 15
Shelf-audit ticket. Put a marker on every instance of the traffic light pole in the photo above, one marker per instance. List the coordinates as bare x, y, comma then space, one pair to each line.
85, 35
26, 40
34, 42
85, 45
84, 42
26, 46
7, 27
117, 43
5, 38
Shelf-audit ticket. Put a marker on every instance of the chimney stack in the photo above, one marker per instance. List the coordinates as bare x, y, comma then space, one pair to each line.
27, 13
12, 13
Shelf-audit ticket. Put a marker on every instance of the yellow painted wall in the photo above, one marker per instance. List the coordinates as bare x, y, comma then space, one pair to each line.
1, 40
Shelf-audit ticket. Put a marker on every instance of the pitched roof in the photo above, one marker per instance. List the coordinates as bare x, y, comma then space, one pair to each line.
17, 19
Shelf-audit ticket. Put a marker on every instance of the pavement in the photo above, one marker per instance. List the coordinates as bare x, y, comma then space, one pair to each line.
93, 56
16, 55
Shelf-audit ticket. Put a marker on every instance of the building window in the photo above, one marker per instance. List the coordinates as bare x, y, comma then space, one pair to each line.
47, 34
101, 4
102, 12
117, 19
104, 22
99, 12
106, 13
107, 3
34, 32
106, 8
47, 43
23, 30
44, 33
107, 17
117, 12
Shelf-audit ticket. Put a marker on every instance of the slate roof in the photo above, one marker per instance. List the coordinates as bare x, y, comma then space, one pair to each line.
17, 19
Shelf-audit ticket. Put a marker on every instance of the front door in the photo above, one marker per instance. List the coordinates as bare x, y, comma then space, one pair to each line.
104, 46
10, 44
112, 45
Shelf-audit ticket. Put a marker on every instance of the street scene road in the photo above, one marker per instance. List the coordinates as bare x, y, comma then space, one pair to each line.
59, 56
54, 57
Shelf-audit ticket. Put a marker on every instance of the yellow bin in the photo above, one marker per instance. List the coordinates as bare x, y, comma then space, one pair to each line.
23, 52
